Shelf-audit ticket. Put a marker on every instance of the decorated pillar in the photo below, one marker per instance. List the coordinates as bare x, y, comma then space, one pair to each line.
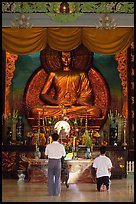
9, 73
123, 74
8, 118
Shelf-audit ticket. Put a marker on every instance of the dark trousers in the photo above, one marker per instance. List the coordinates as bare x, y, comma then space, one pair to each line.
103, 180
54, 176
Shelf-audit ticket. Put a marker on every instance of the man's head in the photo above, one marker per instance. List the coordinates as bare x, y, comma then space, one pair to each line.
55, 136
102, 149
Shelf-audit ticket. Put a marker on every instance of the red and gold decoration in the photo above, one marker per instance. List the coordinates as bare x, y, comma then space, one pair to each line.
123, 74
9, 164
10, 68
132, 91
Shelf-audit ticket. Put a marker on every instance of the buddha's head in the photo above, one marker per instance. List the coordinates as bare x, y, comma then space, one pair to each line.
66, 59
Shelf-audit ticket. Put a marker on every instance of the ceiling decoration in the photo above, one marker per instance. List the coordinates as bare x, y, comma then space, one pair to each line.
106, 22
21, 21
76, 9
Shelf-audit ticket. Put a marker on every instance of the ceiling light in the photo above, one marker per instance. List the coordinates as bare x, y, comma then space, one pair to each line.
64, 7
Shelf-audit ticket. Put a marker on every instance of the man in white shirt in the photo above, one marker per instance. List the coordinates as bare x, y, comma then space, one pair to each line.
55, 151
102, 165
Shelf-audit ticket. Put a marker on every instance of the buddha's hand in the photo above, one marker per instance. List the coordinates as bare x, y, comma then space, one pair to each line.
77, 103
65, 105
83, 102
68, 105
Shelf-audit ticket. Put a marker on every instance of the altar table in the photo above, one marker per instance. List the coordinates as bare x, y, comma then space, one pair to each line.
80, 171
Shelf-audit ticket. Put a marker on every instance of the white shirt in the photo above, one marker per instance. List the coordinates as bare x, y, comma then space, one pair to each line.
102, 163
55, 150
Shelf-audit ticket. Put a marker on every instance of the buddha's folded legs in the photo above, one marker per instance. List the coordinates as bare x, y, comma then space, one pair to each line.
57, 111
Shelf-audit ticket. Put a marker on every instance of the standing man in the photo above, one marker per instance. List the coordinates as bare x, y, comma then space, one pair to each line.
55, 151
102, 165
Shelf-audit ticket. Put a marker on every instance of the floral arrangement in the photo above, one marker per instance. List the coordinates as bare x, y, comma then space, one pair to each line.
9, 119
87, 139
68, 144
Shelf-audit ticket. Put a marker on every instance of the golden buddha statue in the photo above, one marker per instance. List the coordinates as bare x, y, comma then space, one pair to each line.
73, 96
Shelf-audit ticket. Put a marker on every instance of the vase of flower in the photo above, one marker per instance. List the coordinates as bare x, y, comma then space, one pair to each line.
21, 176
37, 153
14, 130
88, 153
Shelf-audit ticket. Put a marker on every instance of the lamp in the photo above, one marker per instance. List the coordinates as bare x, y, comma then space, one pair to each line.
64, 7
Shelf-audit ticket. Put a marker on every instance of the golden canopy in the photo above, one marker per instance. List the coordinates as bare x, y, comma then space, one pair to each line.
28, 41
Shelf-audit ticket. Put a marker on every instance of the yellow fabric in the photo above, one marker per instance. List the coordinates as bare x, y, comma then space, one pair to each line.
28, 41
107, 42
24, 41
64, 39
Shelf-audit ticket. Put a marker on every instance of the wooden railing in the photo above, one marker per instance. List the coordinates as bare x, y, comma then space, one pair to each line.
130, 166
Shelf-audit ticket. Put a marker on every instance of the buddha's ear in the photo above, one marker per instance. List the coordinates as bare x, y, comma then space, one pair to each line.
50, 59
82, 58
59, 57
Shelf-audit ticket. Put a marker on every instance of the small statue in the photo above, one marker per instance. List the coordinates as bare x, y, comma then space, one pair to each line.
19, 129
113, 132
9, 136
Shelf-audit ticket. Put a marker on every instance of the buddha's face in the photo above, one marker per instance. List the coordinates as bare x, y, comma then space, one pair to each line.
66, 58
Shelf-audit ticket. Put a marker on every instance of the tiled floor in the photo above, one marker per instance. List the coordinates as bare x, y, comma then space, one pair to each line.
122, 190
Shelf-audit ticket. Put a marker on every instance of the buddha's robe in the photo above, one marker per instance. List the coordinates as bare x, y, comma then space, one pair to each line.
73, 96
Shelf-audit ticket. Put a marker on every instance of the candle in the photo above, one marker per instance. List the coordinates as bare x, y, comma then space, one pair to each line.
38, 127
74, 140
50, 138
44, 130
83, 140
64, 8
